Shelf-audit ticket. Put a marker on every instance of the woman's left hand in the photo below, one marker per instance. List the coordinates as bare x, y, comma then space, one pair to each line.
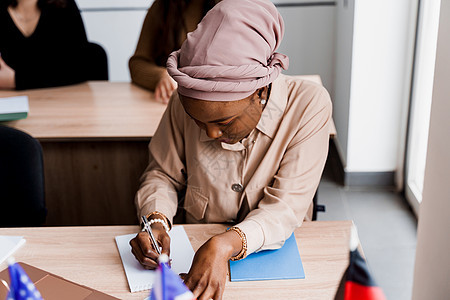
208, 273
7, 76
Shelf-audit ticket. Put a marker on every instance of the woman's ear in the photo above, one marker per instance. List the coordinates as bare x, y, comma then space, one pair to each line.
262, 93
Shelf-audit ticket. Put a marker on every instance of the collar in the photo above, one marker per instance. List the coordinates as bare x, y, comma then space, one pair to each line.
274, 110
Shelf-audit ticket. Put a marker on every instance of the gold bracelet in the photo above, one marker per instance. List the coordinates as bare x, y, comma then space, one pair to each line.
162, 216
243, 253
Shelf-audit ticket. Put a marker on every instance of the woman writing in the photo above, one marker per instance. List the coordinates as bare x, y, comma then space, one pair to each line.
247, 143
164, 30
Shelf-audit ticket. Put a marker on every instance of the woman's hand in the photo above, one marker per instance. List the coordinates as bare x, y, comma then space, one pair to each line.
142, 249
208, 273
7, 76
164, 88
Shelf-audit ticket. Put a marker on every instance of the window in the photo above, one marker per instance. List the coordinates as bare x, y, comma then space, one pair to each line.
421, 96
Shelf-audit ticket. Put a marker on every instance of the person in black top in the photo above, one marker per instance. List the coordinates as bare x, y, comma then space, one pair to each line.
43, 43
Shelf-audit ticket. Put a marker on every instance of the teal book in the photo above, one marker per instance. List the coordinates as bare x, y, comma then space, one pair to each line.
13, 108
283, 263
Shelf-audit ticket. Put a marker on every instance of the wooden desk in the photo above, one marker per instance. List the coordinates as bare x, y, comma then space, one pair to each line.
95, 137
97, 110
89, 256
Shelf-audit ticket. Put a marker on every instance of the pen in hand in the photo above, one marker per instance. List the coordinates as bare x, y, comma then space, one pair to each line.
150, 233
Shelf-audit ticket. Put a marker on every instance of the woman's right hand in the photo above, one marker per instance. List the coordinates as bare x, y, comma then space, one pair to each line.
142, 249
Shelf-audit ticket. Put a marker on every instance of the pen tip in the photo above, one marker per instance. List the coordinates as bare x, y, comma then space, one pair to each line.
11, 261
163, 258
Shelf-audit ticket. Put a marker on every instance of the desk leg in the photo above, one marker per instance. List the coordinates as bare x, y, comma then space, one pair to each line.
93, 182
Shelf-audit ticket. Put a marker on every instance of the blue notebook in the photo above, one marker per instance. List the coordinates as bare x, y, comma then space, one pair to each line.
283, 263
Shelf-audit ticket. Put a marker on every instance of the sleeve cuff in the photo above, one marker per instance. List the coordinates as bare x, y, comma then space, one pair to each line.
150, 207
254, 234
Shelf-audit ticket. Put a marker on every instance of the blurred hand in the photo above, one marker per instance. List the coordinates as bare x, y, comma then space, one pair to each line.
7, 76
142, 249
164, 88
208, 273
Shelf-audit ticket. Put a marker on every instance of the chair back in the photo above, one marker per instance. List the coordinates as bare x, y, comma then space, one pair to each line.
96, 61
22, 200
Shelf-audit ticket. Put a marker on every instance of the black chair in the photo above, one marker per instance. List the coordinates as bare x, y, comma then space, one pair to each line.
317, 207
22, 201
96, 61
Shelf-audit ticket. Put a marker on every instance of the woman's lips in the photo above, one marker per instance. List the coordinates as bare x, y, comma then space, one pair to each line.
226, 141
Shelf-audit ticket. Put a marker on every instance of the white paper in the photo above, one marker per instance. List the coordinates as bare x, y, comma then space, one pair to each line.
11, 105
8, 245
140, 279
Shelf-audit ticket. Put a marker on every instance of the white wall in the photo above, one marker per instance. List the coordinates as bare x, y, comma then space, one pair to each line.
382, 44
432, 269
310, 51
342, 74
115, 25
309, 40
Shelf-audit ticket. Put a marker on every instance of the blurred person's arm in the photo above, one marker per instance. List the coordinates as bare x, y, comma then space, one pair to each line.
143, 69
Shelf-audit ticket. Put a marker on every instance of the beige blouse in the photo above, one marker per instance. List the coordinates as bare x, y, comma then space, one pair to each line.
264, 184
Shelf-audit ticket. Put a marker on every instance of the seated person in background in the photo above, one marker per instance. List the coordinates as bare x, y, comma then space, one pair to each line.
164, 30
43, 43
247, 143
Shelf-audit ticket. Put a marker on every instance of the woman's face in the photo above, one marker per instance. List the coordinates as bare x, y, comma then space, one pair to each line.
228, 122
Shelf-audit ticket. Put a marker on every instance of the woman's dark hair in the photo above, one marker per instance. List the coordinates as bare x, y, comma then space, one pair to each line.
172, 25
40, 3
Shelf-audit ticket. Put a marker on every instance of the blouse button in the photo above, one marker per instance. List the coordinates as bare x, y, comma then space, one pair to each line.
237, 187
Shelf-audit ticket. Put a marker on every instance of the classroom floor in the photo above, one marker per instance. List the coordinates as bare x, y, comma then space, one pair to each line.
386, 226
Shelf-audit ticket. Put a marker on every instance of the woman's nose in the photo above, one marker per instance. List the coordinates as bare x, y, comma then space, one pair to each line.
213, 131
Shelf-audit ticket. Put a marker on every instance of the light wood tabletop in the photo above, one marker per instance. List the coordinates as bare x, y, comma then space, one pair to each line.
89, 256
96, 109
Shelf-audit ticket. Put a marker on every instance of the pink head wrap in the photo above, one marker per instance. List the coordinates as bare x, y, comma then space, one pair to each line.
231, 53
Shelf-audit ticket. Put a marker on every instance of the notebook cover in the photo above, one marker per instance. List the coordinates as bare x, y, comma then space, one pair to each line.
283, 263
54, 287
13, 116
